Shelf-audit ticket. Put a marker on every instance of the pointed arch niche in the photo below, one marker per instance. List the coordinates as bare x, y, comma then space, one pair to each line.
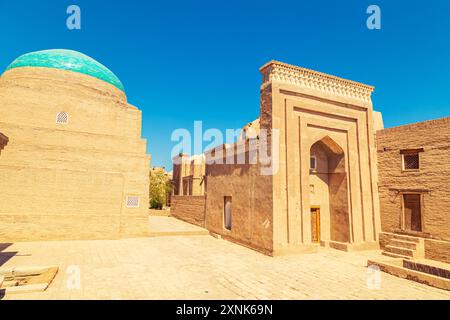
329, 191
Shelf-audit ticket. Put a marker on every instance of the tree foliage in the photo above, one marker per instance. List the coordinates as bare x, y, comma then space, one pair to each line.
160, 187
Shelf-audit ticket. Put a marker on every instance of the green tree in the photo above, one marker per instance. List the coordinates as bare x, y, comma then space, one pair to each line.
160, 187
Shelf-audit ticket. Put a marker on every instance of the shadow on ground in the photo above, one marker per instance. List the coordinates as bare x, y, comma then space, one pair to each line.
5, 256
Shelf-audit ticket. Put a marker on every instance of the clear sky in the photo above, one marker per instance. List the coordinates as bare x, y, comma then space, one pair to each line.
182, 61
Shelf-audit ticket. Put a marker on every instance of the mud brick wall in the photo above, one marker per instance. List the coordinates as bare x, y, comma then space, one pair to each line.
432, 178
189, 208
71, 181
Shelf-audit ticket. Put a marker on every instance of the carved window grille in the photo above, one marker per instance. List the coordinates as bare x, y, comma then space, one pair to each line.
133, 202
62, 118
411, 161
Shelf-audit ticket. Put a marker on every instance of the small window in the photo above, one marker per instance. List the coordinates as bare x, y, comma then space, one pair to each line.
133, 202
227, 213
62, 118
411, 161
313, 163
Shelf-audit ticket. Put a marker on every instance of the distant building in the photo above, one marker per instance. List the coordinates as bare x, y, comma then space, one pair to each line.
75, 166
188, 182
161, 170
189, 174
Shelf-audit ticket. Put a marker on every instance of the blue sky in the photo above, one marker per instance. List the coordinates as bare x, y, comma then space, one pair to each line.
182, 61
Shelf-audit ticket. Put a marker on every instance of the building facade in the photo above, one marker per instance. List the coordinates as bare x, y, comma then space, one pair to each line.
414, 190
324, 189
189, 173
75, 166
188, 189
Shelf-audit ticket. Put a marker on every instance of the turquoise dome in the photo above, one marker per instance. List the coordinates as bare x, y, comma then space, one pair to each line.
67, 60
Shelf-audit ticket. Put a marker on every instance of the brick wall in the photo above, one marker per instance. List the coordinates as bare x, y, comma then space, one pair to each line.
431, 180
67, 182
251, 199
189, 208
437, 250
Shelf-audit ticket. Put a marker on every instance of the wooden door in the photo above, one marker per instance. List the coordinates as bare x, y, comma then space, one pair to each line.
412, 212
315, 225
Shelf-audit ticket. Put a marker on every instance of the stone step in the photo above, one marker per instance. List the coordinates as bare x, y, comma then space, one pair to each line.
397, 270
403, 244
399, 250
394, 255
406, 238
441, 270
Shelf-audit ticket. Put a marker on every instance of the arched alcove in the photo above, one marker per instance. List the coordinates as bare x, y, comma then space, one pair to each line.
329, 192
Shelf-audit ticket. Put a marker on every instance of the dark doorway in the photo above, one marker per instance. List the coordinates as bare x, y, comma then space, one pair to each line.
412, 210
227, 213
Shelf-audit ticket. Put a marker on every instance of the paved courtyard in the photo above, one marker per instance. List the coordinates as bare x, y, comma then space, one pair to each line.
201, 267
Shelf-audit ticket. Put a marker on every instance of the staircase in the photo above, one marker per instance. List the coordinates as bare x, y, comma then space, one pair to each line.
405, 247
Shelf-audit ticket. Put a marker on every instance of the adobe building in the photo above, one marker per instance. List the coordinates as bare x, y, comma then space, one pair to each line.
189, 174
75, 166
188, 189
414, 188
324, 190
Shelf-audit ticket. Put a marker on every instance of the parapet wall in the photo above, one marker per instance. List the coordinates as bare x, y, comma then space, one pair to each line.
189, 208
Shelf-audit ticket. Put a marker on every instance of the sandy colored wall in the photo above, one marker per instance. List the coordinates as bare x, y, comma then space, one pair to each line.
3, 141
188, 175
319, 191
434, 138
251, 203
197, 178
189, 208
176, 178
339, 218
437, 250
434, 249
69, 181
304, 113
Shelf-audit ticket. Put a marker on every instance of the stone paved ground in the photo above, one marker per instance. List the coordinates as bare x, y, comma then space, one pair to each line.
167, 226
202, 267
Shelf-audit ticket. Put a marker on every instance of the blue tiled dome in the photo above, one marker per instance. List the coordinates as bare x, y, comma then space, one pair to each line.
67, 60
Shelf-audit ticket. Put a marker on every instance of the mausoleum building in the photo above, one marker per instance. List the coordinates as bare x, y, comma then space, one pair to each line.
75, 166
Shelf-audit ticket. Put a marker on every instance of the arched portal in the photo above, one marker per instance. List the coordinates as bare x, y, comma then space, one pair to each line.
329, 192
